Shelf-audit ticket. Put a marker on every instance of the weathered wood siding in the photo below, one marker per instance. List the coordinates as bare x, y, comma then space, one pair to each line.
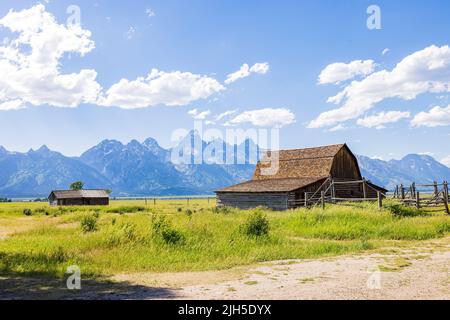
81, 202
275, 201
345, 166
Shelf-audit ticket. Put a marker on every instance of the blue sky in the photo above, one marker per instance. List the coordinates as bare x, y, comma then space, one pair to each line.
198, 44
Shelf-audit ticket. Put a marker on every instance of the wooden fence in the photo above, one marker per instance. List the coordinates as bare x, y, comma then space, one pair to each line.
424, 195
418, 195
331, 192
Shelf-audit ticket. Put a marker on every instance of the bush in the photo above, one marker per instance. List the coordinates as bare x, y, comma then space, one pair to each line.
89, 224
27, 212
172, 236
159, 223
189, 213
257, 225
400, 210
163, 229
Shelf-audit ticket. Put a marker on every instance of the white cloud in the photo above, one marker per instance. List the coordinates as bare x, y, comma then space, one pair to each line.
268, 117
150, 13
29, 63
199, 115
130, 33
339, 127
225, 114
437, 116
385, 51
380, 119
338, 72
245, 71
261, 68
168, 88
446, 161
427, 70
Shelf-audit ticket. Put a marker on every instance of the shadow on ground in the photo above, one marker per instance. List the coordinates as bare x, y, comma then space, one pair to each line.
43, 287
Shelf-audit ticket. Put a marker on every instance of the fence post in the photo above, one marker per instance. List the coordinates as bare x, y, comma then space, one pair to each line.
413, 186
145, 201
333, 190
445, 196
418, 200
154, 201
306, 199
364, 189
446, 189
396, 192
380, 200
188, 201
436, 192
322, 199
402, 191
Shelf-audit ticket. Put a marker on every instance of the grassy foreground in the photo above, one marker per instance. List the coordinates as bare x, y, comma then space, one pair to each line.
130, 236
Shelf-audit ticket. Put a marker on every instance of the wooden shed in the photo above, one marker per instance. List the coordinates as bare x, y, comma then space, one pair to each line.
300, 172
79, 198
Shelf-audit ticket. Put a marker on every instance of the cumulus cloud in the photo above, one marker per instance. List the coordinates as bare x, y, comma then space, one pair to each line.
427, 70
268, 117
246, 70
338, 72
437, 116
385, 51
30, 69
380, 119
169, 88
29, 63
199, 115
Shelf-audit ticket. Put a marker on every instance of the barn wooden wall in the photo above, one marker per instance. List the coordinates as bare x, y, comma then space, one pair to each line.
345, 165
275, 200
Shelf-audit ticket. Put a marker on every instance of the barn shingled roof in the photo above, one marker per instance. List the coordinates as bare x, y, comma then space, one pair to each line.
298, 168
71, 194
300, 163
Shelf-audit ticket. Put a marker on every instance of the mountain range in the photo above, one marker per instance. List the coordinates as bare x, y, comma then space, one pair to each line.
133, 169
147, 169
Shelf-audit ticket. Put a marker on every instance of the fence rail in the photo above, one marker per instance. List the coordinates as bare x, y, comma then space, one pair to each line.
437, 195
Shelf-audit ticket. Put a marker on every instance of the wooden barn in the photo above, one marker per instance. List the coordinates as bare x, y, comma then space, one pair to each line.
79, 198
302, 173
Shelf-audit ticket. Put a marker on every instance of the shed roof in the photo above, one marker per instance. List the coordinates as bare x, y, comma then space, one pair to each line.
74, 194
299, 163
277, 185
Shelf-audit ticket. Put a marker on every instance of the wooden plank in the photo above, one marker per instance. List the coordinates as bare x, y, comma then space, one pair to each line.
418, 200
380, 200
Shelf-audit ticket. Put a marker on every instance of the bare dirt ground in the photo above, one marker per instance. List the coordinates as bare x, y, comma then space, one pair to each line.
411, 272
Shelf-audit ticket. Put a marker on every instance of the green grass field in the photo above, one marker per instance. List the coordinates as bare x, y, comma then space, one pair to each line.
129, 236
